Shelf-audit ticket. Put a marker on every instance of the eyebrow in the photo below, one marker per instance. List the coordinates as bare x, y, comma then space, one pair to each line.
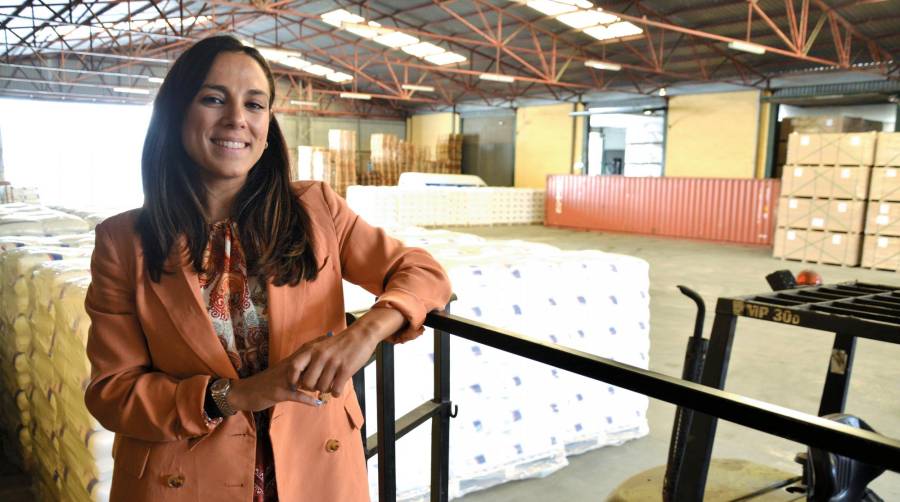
224, 90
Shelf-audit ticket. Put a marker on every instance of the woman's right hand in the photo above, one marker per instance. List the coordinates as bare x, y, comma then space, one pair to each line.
274, 385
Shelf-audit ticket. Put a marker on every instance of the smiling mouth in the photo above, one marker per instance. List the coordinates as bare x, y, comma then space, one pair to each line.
233, 145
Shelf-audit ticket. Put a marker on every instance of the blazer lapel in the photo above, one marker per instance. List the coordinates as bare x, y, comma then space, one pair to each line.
179, 293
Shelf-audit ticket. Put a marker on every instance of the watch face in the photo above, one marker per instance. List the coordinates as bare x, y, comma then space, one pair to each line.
220, 385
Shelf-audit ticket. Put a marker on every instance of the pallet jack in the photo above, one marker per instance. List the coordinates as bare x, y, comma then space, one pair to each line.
825, 477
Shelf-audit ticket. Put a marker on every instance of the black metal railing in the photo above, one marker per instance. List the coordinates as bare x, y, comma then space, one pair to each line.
810, 430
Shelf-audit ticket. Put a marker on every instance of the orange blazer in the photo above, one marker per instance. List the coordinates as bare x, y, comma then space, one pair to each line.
153, 350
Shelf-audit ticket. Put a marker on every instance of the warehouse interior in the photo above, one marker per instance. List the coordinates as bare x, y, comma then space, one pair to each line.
570, 163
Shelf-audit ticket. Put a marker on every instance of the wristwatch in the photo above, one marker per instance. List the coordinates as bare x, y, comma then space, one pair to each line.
219, 391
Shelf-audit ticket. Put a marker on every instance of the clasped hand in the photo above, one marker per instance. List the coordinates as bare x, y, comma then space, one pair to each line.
324, 365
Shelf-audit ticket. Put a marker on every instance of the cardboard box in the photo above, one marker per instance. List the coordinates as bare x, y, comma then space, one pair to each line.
813, 149
881, 252
822, 214
827, 124
887, 151
853, 149
817, 246
828, 182
883, 218
885, 184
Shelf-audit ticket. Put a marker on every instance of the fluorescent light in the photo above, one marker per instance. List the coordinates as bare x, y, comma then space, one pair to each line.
154, 80
299, 102
416, 87
355, 95
585, 18
395, 39
496, 77
445, 58
746, 47
422, 49
339, 77
318, 70
602, 65
663, 91
131, 90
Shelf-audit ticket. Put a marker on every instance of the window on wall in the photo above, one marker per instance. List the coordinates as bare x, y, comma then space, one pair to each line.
77, 155
625, 144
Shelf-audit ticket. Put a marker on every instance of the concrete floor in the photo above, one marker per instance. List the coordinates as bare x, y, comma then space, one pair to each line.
778, 364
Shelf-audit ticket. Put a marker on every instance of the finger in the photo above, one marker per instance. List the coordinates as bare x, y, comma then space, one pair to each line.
326, 378
339, 382
311, 374
296, 365
300, 396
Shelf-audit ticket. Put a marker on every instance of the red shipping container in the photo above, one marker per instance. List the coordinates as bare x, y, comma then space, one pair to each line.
725, 210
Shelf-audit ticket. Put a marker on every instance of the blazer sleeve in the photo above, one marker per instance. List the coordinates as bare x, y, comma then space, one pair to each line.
125, 395
406, 279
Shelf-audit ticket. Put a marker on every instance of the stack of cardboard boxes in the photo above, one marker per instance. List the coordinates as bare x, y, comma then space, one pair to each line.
881, 245
824, 190
822, 124
840, 200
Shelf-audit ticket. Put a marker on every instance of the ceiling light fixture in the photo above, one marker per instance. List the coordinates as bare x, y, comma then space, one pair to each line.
131, 90
602, 65
154, 80
356, 95
746, 47
417, 87
663, 92
299, 102
496, 77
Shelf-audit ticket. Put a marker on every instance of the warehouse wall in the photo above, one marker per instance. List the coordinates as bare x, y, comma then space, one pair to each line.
713, 135
424, 130
546, 143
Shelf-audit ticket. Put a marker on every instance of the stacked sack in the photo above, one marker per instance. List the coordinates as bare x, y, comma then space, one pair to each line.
519, 419
44, 331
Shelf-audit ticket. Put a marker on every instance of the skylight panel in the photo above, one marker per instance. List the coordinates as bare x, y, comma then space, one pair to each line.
586, 18
395, 39
318, 70
445, 58
339, 77
338, 17
551, 7
422, 49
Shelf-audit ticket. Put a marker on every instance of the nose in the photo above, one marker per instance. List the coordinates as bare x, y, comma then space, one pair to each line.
234, 115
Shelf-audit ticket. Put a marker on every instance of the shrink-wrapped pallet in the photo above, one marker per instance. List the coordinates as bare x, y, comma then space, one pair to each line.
518, 418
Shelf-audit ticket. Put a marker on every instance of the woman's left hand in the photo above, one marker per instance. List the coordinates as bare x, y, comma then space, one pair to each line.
331, 360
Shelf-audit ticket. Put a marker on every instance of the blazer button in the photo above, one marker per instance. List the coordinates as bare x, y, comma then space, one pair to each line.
175, 481
332, 445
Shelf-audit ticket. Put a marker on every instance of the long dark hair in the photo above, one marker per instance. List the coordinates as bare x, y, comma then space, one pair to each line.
274, 227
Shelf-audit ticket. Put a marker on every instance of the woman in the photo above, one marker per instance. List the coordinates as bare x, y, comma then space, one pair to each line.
210, 304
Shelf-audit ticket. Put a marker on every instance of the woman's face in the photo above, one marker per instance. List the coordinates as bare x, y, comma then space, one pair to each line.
228, 121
